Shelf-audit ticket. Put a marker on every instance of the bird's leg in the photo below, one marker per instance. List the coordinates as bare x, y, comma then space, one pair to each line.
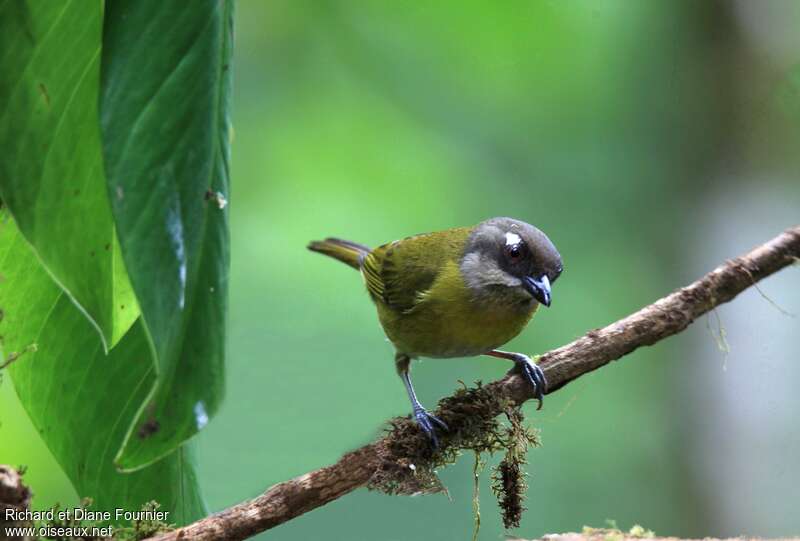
427, 421
530, 370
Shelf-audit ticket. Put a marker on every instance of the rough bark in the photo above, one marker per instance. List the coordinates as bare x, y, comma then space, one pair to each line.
655, 322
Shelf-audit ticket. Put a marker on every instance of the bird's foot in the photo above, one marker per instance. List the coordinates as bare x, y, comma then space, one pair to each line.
428, 423
534, 374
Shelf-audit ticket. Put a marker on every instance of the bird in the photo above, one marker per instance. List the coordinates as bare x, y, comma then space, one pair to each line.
460, 292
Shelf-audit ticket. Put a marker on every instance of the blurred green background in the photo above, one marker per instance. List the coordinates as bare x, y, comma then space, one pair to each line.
650, 140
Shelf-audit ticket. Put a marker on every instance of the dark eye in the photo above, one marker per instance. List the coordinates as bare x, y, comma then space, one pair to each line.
514, 252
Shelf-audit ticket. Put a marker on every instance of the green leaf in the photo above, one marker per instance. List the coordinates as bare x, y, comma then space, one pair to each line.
51, 173
80, 399
164, 116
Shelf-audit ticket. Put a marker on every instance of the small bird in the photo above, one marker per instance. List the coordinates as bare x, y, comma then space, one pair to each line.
461, 292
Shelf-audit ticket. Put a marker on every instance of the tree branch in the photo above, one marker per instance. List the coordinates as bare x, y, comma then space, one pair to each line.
393, 455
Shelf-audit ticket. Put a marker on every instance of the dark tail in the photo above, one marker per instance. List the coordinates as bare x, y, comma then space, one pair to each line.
345, 251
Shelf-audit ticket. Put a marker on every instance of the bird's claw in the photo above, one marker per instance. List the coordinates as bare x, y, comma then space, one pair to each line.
535, 376
428, 423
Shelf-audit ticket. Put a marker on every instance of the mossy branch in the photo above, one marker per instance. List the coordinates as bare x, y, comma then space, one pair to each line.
401, 461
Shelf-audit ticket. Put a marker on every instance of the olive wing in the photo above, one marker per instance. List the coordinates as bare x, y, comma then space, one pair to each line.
401, 272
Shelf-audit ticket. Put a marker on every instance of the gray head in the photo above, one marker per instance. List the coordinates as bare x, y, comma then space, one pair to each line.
504, 252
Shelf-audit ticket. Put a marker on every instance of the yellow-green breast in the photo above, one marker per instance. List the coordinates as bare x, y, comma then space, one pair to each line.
426, 308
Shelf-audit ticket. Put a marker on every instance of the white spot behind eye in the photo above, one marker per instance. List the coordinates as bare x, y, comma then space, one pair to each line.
512, 239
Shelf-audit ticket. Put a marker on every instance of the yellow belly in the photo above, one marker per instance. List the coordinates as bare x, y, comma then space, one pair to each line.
451, 322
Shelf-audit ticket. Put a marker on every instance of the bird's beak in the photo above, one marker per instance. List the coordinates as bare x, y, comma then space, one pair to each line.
539, 288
